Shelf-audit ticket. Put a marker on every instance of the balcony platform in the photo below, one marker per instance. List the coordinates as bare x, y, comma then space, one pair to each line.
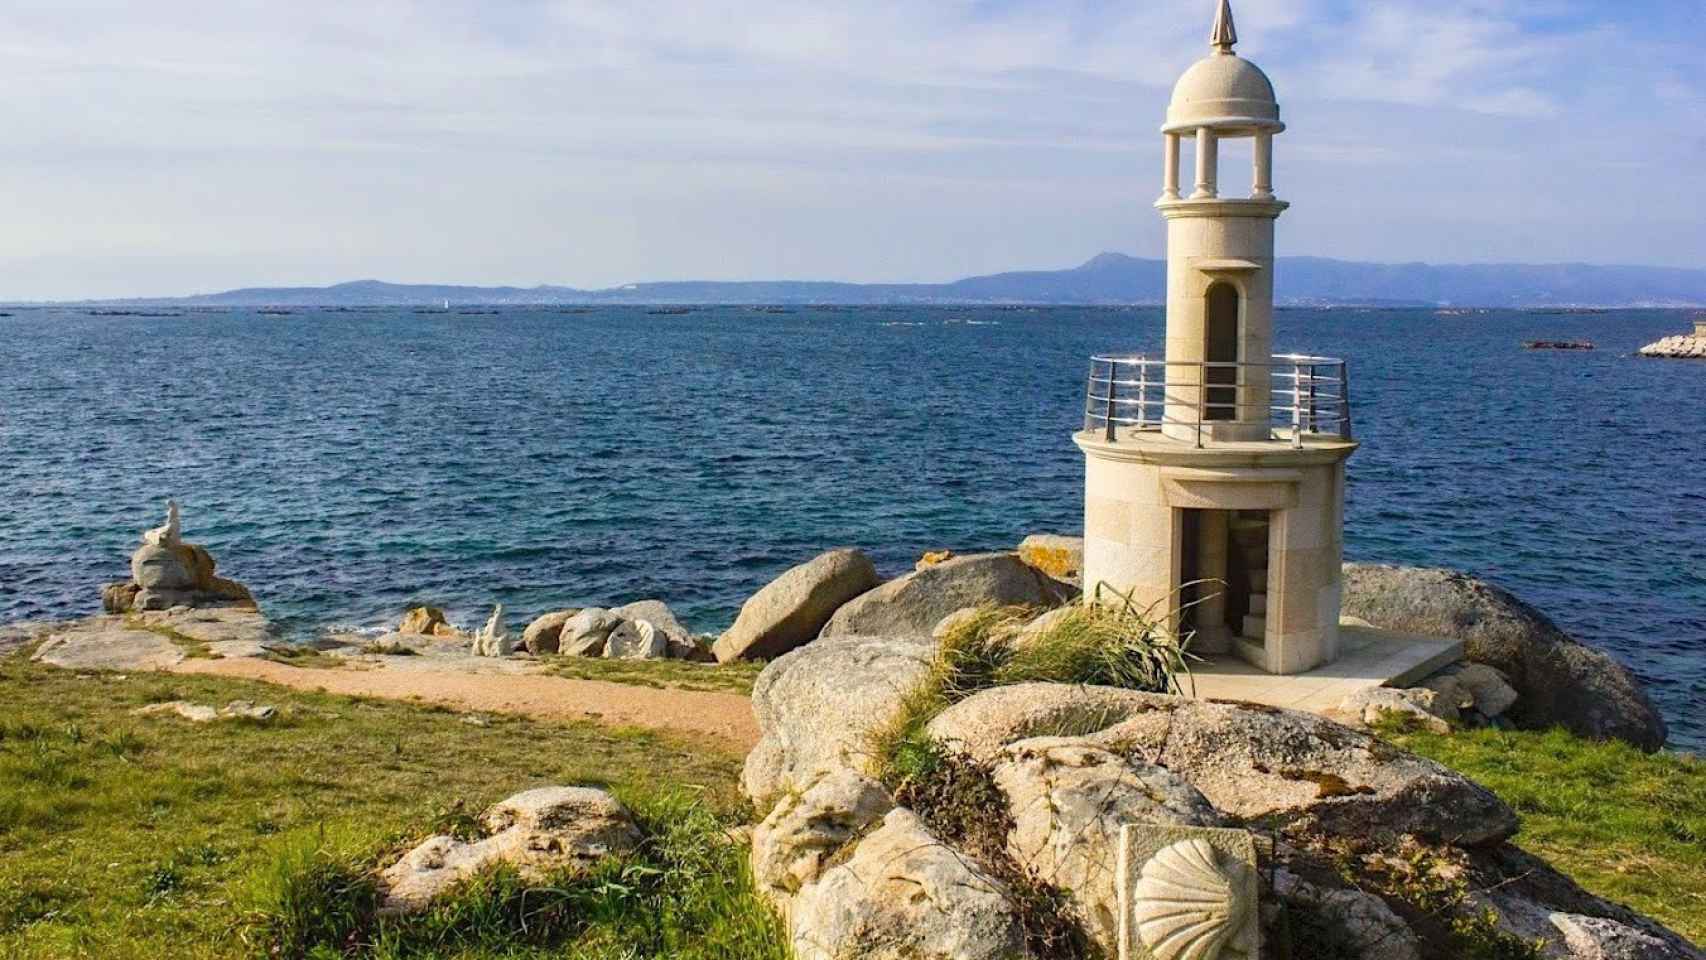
1368, 657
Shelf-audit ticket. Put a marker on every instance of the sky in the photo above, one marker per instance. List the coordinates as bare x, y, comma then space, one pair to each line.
175, 147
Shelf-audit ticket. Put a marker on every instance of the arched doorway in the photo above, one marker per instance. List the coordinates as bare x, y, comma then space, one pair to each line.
1221, 333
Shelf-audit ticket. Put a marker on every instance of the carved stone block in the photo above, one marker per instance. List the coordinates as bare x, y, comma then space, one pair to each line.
1187, 893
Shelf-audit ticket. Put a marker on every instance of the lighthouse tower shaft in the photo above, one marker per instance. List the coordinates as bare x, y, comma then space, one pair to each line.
1214, 475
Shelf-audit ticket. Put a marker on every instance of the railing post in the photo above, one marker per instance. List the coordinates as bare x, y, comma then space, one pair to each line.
1113, 374
1314, 425
1202, 397
1142, 390
1345, 398
1296, 404
1090, 398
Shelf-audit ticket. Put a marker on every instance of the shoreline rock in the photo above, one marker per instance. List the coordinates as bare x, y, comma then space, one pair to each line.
793, 608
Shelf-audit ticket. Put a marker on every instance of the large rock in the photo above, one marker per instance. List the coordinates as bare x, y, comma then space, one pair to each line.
584, 634
1069, 800
1599, 938
793, 608
793, 845
1254, 762
636, 640
1060, 557
818, 706
106, 644
1344, 923
1558, 680
425, 622
539, 833
544, 634
1367, 706
905, 895
912, 605
678, 640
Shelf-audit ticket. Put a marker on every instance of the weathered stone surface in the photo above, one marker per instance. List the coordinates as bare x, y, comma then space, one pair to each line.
932, 558
1069, 800
982, 725
1598, 938
163, 568
1357, 922
635, 640
426, 622
539, 832
193, 712
584, 634
912, 605
543, 634
1249, 761
119, 597
905, 895
1060, 557
793, 608
1557, 679
1043, 624
792, 846
1487, 688
953, 621
493, 640
106, 644
1365, 707
817, 706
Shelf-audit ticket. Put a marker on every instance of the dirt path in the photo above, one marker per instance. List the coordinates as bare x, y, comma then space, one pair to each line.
724, 716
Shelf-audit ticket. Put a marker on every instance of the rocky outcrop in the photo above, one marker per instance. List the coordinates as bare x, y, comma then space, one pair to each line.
794, 844
166, 572
426, 622
1060, 557
1558, 680
544, 634
818, 705
1683, 346
1068, 801
493, 640
1351, 923
540, 832
905, 895
1368, 706
1256, 763
678, 640
635, 640
584, 634
793, 608
203, 713
912, 605
111, 646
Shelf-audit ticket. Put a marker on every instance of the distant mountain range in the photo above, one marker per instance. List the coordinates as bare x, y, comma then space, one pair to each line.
1110, 278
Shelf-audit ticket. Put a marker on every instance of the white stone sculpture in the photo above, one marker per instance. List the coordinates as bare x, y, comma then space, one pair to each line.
171, 534
493, 639
1187, 893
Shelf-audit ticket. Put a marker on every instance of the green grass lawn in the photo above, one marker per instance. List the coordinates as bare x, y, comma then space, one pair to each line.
1625, 825
131, 837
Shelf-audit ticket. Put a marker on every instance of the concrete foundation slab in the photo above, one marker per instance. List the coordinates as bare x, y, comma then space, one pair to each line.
1369, 657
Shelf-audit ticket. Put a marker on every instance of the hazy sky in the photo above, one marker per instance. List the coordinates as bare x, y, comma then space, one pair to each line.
173, 147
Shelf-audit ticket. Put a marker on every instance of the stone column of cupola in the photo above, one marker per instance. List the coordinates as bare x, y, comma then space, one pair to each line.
1263, 189
1170, 168
1208, 165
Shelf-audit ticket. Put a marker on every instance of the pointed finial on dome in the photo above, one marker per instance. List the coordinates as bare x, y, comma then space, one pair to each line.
1225, 34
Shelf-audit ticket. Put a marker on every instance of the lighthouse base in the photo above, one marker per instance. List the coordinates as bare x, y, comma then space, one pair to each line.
1237, 544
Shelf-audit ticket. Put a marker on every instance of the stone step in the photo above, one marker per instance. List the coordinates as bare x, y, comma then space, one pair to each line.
1258, 603
1255, 628
1259, 581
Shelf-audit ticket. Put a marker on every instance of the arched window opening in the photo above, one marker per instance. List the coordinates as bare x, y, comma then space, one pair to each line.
1221, 331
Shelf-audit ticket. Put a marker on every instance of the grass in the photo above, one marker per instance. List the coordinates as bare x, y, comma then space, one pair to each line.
130, 837
1626, 825
737, 677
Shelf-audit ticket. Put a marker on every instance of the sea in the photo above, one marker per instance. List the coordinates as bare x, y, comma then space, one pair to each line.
350, 463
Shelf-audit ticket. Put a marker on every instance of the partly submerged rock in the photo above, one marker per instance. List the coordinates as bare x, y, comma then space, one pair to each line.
793, 608
912, 605
1558, 680
905, 895
794, 844
818, 706
539, 833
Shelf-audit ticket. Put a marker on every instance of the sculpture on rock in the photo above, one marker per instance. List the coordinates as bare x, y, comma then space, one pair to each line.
493, 640
170, 535
1187, 893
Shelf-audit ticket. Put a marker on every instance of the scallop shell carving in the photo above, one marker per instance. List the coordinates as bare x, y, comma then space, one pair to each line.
1189, 906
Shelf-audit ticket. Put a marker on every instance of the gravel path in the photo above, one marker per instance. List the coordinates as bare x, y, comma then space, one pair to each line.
727, 717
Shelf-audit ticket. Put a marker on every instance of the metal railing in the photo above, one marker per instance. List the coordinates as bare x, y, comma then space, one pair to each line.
1305, 396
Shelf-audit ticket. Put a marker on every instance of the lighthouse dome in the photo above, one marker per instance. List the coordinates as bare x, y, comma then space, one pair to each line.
1224, 91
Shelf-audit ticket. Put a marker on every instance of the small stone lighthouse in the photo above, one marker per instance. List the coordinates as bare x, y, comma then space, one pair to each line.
1214, 475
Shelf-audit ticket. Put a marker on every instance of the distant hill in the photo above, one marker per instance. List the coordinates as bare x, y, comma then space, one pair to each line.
1109, 278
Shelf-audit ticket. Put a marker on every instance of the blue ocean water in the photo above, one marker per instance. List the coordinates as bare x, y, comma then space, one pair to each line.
347, 465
